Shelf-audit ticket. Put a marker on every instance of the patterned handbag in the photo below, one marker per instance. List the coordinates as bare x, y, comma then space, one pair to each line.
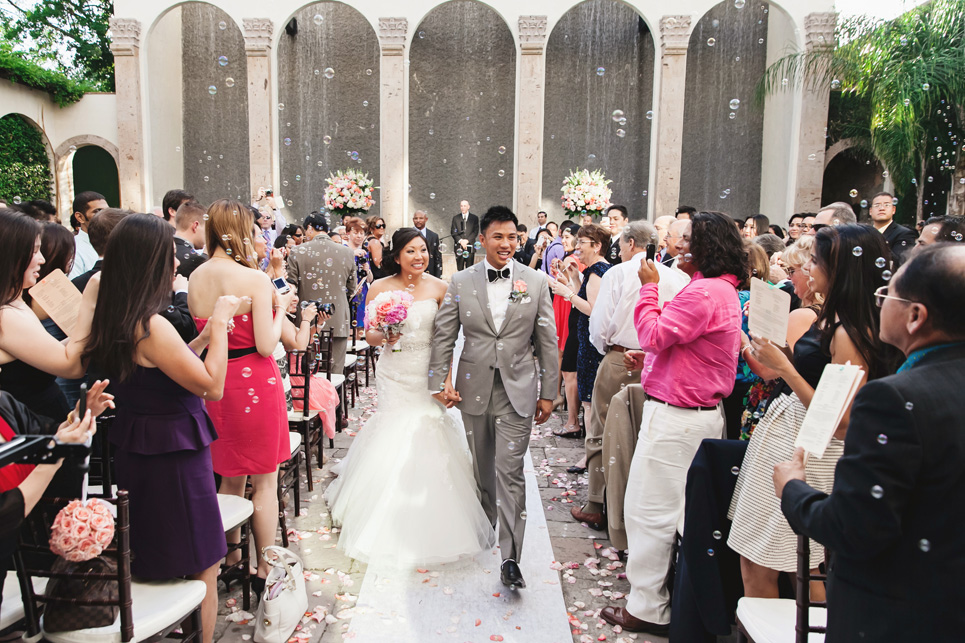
66, 617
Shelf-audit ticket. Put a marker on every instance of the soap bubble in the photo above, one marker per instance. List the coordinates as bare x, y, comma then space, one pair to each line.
223, 61
17, 200
443, 248
327, 139
711, 42
329, 73
877, 492
735, 470
212, 89
229, 82
222, 25
617, 115
523, 515
600, 71
925, 86
246, 372
501, 173
925, 545
272, 381
880, 262
329, 262
835, 84
857, 251
621, 133
368, 72
710, 552
287, 141
432, 195
906, 102
511, 445
886, 275
365, 103
853, 193
206, 179
318, 19
882, 438
501, 149
247, 409
542, 322
650, 115
864, 203
717, 535
732, 115
735, 103
739, 4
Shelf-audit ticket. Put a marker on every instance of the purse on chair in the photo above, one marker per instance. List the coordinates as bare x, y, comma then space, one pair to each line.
67, 617
284, 601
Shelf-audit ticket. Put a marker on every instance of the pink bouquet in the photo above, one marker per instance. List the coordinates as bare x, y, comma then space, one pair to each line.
388, 311
81, 531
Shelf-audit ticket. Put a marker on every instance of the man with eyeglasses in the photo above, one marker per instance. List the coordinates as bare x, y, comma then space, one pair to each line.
899, 238
837, 213
797, 225
891, 522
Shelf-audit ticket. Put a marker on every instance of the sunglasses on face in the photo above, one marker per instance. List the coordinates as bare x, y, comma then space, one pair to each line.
380, 226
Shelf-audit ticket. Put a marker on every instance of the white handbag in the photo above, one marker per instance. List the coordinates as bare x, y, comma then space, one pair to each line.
284, 602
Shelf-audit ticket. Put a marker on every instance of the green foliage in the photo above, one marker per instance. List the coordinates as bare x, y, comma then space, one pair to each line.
62, 90
24, 165
70, 35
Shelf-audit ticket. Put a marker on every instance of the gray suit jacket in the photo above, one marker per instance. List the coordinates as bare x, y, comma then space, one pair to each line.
315, 279
529, 331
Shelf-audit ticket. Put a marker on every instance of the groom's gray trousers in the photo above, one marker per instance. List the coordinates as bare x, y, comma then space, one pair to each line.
498, 440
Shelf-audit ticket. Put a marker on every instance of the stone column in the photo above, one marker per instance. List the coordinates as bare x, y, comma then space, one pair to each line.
126, 45
674, 39
261, 152
529, 117
393, 154
818, 34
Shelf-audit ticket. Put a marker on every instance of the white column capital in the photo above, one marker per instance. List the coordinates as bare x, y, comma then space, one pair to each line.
392, 35
819, 30
258, 34
674, 35
125, 36
532, 35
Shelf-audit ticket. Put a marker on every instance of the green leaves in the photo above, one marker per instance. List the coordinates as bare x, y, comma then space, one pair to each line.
24, 165
62, 90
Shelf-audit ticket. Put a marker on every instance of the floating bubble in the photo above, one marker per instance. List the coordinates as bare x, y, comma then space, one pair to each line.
877, 492
711, 42
882, 438
735, 470
853, 193
501, 173
247, 409
925, 545
329, 262
511, 445
287, 141
925, 86
17, 200
432, 195
543, 322
318, 19
246, 372
717, 535
254, 400
710, 552
212, 89
724, 194
329, 73
523, 515
735, 103
864, 203
501, 149
739, 4
732, 115
835, 84
857, 251
886, 275
600, 71
298, 177
327, 139
784, 82
500, 346
229, 82
617, 115
223, 61
222, 25
368, 72
272, 381
206, 179
880, 262
591, 157
906, 102
443, 248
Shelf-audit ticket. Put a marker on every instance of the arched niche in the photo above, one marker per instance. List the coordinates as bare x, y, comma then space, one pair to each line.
722, 146
14, 152
599, 62
326, 124
67, 186
462, 112
198, 104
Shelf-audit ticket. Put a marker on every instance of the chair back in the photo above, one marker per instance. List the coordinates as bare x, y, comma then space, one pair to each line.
301, 366
34, 558
324, 343
802, 599
101, 470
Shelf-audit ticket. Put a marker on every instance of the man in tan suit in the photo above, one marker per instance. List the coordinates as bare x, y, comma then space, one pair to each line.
323, 270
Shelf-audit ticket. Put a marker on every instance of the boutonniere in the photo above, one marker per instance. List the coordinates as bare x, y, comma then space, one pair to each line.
519, 292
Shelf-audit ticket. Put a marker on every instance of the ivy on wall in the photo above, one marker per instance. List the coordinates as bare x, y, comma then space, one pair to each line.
24, 165
62, 90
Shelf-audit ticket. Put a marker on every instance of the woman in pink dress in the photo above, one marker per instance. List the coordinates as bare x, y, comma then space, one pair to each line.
251, 418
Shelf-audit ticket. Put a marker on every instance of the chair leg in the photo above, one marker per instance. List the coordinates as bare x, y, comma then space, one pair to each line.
296, 488
281, 514
305, 430
246, 562
321, 443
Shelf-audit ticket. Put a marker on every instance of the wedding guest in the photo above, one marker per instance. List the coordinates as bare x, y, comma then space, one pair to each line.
938, 229
837, 213
899, 238
295, 232
100, 228
685, 212
544, 241
251, 418
464, 231
770, 243
777, 231
554, 228
540, 225
692, 346
375, 231
896, 567
419, 221
566, 336
612, 334
86, 205
619, 218
527, 247
189, 222
30, 357
795, 227
161, 431
174, 199
845, 331
355, 229
754, 225
662, 224
554, 248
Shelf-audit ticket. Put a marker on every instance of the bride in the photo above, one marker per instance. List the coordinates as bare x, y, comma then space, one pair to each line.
406, 495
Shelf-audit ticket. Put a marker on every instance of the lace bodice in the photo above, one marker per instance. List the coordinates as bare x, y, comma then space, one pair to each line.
417, 332
402, 379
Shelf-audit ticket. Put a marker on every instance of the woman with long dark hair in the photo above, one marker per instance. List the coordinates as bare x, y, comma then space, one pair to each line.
406, 494
755, 225
161, 431
30, 357
847, 264
251, 418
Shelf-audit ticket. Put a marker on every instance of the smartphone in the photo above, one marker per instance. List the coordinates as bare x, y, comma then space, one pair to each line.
82, 402
651, 252
281, 285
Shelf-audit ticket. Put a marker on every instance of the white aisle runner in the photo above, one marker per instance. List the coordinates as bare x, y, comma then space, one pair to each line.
466, 602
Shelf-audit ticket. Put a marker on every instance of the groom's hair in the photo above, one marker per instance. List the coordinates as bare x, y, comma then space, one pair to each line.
497, 213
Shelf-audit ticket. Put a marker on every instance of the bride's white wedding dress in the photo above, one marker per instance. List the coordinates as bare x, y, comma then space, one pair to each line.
405, 495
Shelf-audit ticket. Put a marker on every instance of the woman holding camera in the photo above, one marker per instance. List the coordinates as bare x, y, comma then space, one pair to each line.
251, 418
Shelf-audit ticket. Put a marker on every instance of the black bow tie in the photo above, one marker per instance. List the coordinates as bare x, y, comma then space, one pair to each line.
496, 275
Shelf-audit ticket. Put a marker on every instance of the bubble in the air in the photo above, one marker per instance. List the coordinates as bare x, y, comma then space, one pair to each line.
318, 19
717, 535
835, 84
511, 445
877, 492
206, 179
247, 409
591, 157
368, 72
254, 400
880, 262
222, 25
739, 4
327, 139
600, 71
724, 194
272, 381
882, 438
732, 115
711, 42
229, 82
735, 103
523, 515
328, 262
499, 346
906, 102
617, 115
212, 89
477, 246
735, 470
710, 552
365, 103
246, 372
925, 86
298, 177
287, 141
501, 173
432, 195
650, 115
812, 157
688, 257
621, 133
857, 251
886, 275
925, 545
223, 61
329, 73
853, 193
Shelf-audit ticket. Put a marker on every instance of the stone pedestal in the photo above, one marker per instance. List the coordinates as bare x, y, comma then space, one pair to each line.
125, 44
819, 34
392, 102
261, 152
674, 39
529, 117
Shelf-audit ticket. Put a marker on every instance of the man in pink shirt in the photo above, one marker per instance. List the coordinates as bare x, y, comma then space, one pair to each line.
692, 346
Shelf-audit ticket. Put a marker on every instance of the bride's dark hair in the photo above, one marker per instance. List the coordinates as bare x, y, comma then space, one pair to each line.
400, 239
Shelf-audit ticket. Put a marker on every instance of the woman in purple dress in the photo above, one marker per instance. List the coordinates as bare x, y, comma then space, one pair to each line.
161, 432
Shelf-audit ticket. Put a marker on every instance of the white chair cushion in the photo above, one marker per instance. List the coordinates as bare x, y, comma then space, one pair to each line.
772, 620
299, 416
156, 606
12, 609
350, 359
295, 440
336, 379
234, 510
359, 346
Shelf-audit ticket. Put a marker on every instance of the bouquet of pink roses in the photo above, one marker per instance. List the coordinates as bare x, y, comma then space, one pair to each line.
81, 531
388, 311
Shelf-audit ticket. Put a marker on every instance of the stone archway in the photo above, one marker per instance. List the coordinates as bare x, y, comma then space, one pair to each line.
64, 158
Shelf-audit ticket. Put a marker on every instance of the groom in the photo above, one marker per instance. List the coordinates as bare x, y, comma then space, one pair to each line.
506, 313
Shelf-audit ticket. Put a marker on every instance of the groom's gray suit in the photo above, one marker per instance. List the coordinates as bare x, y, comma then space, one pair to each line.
497, 379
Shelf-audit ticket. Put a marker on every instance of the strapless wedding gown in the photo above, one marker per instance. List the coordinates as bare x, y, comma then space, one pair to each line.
405, 495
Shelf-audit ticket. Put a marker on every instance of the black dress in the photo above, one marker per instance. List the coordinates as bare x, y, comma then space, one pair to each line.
588, 358
35, 389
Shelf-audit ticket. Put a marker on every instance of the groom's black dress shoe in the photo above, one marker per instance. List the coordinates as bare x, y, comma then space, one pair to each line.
510, 575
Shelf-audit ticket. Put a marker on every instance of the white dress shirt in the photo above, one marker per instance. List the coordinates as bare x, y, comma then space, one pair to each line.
84, 255
535, 231
611, 322
498, 292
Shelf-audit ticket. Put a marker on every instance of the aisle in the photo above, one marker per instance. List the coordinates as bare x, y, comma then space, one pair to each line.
466, 602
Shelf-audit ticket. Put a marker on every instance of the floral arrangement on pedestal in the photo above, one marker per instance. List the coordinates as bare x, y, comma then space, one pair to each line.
585, 192
349, 192
81, 531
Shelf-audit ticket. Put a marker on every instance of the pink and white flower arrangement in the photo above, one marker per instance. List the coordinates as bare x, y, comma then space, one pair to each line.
81, 531
388, 311
349, 192
585, 192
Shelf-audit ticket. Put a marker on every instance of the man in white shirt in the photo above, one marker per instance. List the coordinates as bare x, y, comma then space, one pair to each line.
540, 224
613, 334
662, 224
86, 205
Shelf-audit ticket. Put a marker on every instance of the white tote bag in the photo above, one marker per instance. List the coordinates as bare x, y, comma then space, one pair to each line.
284, 602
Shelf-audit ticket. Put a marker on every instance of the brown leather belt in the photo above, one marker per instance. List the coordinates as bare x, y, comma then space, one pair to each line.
686, 408
618, 349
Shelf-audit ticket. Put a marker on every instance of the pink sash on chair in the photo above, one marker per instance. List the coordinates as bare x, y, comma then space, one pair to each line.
322, 398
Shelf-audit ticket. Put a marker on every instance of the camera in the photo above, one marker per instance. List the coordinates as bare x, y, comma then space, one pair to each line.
322, 306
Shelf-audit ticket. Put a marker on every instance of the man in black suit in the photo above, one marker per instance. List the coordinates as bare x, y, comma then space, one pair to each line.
189, 237
465, 232
419, 221
893, 522
524, 251
900, 239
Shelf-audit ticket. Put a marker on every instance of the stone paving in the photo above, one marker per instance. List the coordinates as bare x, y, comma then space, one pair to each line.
590, 573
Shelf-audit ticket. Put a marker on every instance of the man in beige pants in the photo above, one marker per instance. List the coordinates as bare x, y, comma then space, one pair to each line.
613, 334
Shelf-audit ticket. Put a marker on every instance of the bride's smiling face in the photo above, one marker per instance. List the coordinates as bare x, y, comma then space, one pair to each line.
414, 257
